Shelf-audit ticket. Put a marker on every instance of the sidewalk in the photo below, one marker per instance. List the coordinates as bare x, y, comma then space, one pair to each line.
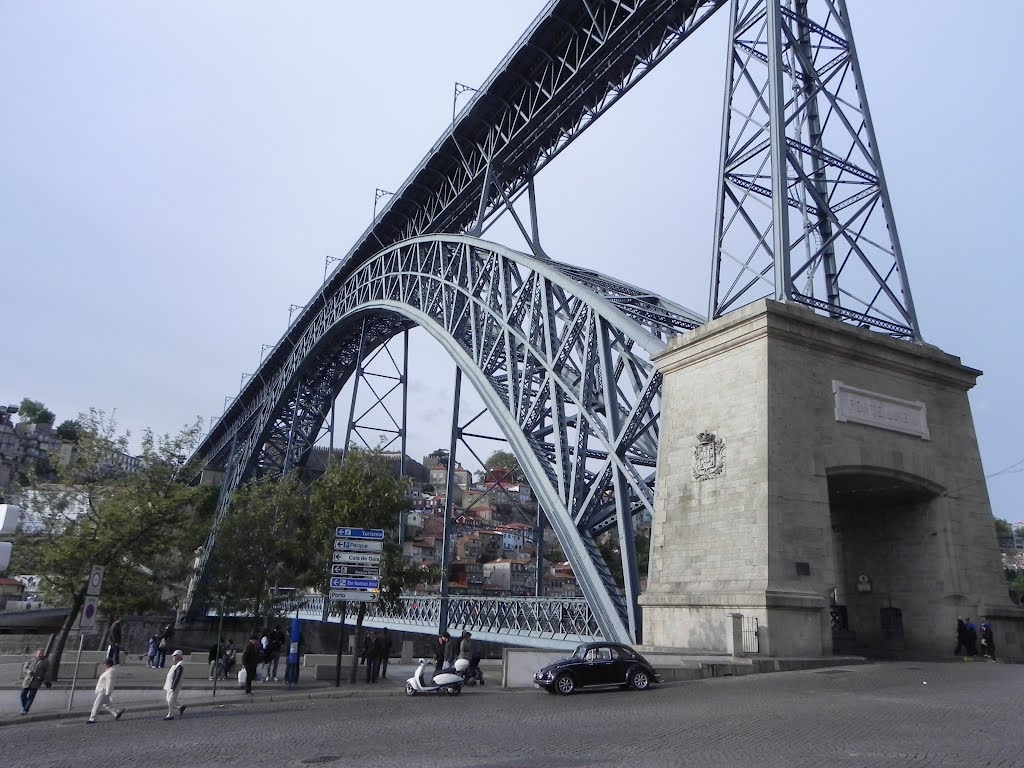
140, 689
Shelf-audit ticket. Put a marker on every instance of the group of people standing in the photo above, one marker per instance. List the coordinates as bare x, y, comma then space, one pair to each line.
967, 638
157, 647
375, 653
448, 651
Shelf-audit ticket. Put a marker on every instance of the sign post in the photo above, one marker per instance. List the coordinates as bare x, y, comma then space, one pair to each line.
354, 574
86, 621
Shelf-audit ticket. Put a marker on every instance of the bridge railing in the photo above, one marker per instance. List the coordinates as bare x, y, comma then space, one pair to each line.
515, 620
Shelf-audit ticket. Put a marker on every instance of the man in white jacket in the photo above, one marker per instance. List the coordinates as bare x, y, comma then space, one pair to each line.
173, 684
104, 690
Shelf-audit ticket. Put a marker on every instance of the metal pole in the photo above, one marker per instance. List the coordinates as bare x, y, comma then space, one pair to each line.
405, 422
449, 505
779, 157
74, 678
341, 641
220, 649
538, 540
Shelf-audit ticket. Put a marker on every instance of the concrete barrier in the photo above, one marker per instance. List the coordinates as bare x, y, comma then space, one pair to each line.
520, 664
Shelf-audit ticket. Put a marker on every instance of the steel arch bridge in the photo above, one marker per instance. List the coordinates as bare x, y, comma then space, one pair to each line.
559, 355
562, 355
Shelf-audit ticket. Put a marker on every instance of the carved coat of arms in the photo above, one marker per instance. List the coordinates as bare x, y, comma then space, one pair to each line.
708, 456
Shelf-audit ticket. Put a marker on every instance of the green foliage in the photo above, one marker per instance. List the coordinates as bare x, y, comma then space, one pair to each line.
69, 430
1003, 528
140, 526
505, 460
261, 545
34, 412
359, 492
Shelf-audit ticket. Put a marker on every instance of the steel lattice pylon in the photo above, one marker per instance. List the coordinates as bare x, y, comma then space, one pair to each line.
560, 356
803, 210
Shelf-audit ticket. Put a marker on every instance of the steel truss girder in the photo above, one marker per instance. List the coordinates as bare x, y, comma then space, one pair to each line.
560, 357
803, 209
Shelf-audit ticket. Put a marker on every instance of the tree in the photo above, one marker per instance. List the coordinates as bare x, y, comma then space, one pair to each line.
34, 412
261, 545
358, 492
137, 525
69, 430
505, 460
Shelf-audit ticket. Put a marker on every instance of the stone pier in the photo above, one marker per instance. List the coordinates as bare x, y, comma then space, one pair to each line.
826, 480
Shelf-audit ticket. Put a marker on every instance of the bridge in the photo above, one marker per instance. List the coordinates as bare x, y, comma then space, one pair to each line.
560, 355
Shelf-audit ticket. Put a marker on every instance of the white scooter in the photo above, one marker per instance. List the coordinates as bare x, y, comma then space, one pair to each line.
446, 681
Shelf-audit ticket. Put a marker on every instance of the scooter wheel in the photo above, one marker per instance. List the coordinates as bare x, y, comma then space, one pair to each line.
454, 690
409, 690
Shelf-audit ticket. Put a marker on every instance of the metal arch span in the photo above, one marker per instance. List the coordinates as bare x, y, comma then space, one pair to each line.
560, 355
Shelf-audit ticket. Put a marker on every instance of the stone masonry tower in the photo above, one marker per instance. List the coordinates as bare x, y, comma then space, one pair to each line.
826, 480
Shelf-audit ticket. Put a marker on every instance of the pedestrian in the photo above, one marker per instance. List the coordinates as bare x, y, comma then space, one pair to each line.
972, 638
386, 648
264, 674
439, 649
250, 658
164, 644
367, 642
114, 649
216, 664
228, 659
961, 636
104, 690
466, 646
33, 674
988, 641
370, 652
451, 651
151, 652
172, 685
277, 640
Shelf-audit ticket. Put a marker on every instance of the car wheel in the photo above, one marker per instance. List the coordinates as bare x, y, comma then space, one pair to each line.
565, 684
409, 690
639, 679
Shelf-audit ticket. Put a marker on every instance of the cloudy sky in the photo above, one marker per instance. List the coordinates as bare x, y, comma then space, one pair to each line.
173, 175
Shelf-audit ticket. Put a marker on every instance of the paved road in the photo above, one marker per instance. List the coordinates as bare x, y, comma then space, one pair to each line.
873, 715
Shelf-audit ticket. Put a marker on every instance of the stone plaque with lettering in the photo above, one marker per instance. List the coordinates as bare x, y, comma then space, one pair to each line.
877, 410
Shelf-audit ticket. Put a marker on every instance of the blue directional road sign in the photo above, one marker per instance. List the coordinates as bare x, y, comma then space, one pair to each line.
358, 558
342, 583
359, 533
358, 545
357, 571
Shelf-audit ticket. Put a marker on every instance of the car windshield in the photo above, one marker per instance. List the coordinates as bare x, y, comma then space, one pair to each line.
579, 653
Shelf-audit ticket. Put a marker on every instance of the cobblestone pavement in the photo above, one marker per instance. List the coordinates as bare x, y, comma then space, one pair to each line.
893, 714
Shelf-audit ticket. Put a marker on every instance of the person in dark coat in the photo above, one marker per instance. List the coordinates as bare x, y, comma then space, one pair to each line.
439, 649
972, 638
451, 651
116, 636
250, 658
961, 636
386, 652
374, 654
988, 641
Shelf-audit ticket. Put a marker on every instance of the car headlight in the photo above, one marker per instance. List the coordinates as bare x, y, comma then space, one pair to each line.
542, 675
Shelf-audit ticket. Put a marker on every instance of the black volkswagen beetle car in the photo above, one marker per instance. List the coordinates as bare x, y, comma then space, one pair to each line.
597, 664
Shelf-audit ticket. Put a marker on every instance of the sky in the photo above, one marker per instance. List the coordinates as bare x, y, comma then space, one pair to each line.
173, 176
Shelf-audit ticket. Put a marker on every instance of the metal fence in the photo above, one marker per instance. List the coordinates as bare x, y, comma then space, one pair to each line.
750, 638
529, 621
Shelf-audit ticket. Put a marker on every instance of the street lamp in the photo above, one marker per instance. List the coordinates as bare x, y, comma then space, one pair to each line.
6, 412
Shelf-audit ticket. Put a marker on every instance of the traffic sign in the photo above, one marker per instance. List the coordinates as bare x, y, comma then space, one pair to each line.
358, 545
363, 571
343, 583
353, 596
364, 558
95, 581
87, 620
359, 533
